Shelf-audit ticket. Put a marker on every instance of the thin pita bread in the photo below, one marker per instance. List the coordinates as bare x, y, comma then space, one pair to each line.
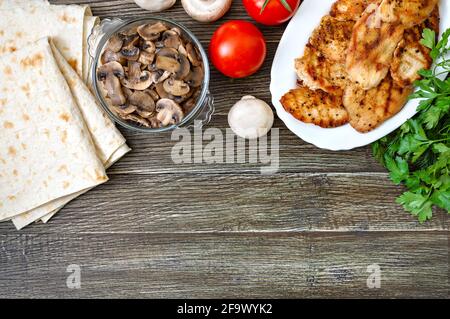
24, 22
109, 143
47, 151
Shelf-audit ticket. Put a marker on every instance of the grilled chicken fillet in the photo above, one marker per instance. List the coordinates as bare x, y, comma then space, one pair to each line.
350, 10
331, 38
368, 109
411, 56
371, 48
315, 107
318, 72
407, 12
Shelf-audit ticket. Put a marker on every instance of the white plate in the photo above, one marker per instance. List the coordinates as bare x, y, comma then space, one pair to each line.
283, 79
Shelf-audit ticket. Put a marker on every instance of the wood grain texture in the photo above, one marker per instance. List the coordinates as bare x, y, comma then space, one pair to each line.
219, 266
159, 229
152, 155
187, 203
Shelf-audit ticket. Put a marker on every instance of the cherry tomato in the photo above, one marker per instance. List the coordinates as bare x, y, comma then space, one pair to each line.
237, 49
276, 11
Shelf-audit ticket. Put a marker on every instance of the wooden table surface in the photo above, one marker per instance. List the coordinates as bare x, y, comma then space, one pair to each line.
158, 229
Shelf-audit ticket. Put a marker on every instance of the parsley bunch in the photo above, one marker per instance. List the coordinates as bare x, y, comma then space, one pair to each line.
418, 153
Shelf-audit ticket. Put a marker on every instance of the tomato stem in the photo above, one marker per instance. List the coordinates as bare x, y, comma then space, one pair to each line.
283, 2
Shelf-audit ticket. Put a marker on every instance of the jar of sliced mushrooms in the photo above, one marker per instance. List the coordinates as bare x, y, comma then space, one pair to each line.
150, 74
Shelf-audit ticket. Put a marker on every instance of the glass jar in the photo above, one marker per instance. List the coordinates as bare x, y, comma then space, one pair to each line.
200, 114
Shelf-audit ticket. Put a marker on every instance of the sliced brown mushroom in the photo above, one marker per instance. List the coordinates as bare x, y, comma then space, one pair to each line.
151, 75
160, 76
182, 49
137, 79
111, 68
170, 60
160, 90
153, 94
195, 77
190, 103
137, 119
127, 33
110, 56
182, 98
169, 112
109, 74
154, 122
124, 110
144, 113
129, 49
167, 63
146, 58
185, 67
142, 100
177, 30
115, 43
150, 31
176, 87
149, 48
114, 89
193, 54
134, 71
127, 92
171, 39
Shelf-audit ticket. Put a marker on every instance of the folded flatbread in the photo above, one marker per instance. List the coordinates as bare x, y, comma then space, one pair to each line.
46, 150
24, 22
68, 26
110, 145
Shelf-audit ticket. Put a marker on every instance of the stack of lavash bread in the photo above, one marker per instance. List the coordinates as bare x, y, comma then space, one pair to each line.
55, 141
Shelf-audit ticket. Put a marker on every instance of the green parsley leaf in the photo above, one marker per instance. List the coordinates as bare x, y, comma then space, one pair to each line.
417, 155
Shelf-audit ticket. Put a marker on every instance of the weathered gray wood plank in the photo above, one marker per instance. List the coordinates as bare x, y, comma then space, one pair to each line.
157, 229
214, 265
152, 155
238, 203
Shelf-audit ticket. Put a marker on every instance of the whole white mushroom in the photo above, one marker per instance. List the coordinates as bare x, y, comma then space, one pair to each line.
155, 5
206, 10
250, 118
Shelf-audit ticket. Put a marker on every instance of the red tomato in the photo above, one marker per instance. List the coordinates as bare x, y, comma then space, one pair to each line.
274, 13
237, 49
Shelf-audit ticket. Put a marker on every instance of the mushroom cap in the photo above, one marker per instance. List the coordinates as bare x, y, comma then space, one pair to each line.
185, 67
195, 77
110, 56
176, 87
146, 58
151, 31
193, 54
171, 39
145, 80
206, 10
160, 76
110, 68
112, 86
250, 118
124, 110
137, 119
148, 46
142, 100
115, 43
155, 5
169, 112
129, 50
